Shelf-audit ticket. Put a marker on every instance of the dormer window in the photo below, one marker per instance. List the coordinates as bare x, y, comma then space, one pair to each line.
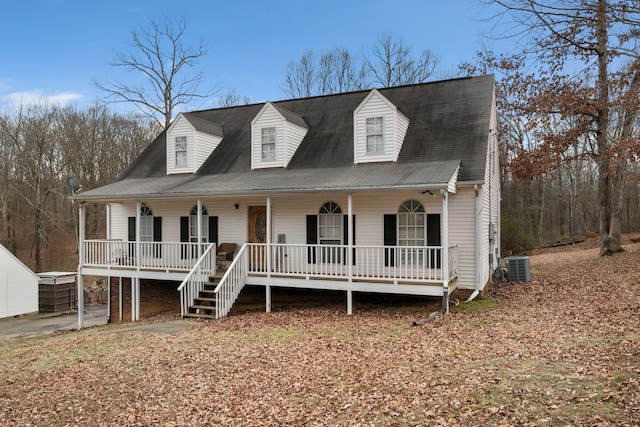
276, 134
181, 151
190, 141
379, 129
269, 143
375, 135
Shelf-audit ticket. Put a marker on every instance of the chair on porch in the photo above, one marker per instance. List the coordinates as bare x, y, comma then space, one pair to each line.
224, 255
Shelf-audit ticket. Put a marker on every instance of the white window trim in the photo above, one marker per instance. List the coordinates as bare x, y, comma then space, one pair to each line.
268, 134
182, 139
374, 130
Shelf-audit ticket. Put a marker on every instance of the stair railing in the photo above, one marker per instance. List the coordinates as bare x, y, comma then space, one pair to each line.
232, 283
199, 275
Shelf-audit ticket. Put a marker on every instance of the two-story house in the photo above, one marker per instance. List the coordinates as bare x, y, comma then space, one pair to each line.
392, 190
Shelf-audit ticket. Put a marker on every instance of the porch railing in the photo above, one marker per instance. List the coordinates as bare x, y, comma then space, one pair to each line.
199, 275
231, 283
147, 255
397, 263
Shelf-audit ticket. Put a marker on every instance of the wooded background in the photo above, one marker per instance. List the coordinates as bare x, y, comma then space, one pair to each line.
568, 102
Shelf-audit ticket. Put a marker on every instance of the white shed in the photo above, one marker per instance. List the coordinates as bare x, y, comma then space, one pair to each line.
18, 286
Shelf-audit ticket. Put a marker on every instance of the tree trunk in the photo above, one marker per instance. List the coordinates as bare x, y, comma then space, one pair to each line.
609, 244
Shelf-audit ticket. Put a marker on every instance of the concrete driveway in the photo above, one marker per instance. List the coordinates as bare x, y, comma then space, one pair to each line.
42, 324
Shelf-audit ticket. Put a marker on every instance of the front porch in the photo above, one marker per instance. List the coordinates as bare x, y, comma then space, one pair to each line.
427, 271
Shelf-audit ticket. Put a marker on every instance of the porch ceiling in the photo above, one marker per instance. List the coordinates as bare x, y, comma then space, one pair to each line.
360, 177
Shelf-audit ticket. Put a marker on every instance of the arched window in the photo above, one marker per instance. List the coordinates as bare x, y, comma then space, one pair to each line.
411, 224
193, 224
146, 223
330, 224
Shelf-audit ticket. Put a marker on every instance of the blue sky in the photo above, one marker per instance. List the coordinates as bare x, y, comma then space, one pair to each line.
52, 49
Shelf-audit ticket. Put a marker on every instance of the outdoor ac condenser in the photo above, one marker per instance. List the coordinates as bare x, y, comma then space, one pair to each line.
518, 268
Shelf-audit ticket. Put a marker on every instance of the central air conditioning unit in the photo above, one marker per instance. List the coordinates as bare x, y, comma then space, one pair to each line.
518, 268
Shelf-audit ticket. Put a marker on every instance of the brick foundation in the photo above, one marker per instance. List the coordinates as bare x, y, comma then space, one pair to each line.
156, 296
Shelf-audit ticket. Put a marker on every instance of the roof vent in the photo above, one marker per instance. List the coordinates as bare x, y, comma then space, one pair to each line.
518, 268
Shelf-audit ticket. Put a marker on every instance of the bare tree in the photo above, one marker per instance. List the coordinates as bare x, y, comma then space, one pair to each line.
391, 63
232, 99
300, 79
159, 57
582, 63
339, 72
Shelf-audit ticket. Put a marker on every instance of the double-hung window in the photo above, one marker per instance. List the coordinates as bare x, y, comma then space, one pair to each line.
411, 232
268, 143
375, 135
330, 231
181, 151
146, 230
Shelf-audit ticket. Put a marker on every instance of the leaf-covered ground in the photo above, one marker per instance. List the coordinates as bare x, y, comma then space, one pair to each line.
563, 349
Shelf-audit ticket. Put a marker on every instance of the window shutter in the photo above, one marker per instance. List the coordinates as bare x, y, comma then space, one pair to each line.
157, 236
213, 230
132, 228
390, 239
345, 237
312, 237
433, 236
184, 228
131, 232
184, 236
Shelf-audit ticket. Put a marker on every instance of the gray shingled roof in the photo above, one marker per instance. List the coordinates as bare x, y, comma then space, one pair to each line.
449, 127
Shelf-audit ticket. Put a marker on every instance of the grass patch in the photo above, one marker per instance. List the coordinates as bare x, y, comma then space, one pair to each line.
476, 306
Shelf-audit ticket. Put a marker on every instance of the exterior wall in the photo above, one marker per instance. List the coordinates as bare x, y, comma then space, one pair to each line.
18, 286
181, 128
295, 135
156, 297
401, 131
462, 232
289, 218
269, 117
205, 144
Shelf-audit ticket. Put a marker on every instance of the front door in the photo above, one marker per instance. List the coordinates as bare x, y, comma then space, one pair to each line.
257, 234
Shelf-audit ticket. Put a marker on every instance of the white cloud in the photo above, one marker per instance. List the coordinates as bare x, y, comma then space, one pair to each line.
37, 96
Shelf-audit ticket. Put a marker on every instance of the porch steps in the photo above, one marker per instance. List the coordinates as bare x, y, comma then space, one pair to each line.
204, 305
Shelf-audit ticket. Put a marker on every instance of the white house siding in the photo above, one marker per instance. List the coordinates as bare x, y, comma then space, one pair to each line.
181, 127
269, 117
401, 129
18, 286
462, 231
232, 223
375, 106
205, 144
295, 135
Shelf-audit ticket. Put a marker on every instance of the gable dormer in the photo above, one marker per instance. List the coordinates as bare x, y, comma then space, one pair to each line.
276, 134
379, 129
190, 141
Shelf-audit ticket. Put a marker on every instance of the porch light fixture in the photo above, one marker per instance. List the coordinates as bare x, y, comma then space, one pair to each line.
428, 191
235, 205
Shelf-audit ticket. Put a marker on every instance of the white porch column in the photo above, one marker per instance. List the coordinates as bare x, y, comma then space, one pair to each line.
200, 227
138, 226
268, 256
445, 246
108, 215
350, 253
133, 299
81, 255
108, 218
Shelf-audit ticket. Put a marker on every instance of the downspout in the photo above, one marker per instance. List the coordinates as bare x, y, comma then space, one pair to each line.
444, 308
478, 218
